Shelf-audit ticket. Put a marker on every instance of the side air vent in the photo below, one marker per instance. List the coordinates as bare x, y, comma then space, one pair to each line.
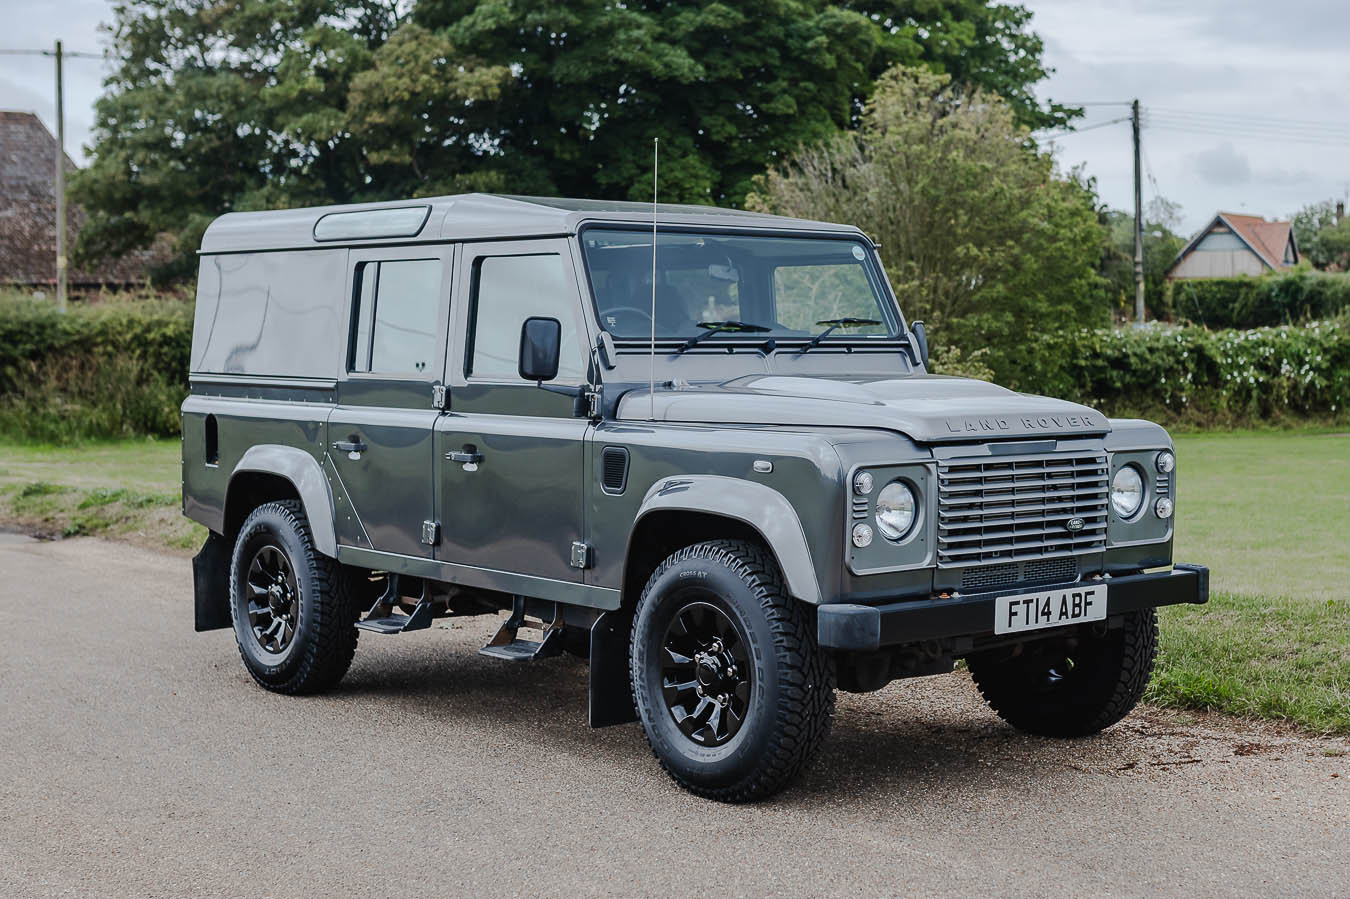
614, 461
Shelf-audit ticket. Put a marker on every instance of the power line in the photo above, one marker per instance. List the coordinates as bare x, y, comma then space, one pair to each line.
1246, 119
1054, 134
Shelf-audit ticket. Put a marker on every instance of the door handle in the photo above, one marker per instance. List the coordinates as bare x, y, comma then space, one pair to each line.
349, 446
467, 457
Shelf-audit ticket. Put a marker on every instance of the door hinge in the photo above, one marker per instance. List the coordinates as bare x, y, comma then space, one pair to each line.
581, 554
431, 532
438, 396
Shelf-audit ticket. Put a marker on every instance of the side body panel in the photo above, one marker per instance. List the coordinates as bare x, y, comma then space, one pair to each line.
803, 470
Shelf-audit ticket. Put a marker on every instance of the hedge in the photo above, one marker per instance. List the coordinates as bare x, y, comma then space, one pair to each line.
1192, 374
1271, 299
101, 371
120, 369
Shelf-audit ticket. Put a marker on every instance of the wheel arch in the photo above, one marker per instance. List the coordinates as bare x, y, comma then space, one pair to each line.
269, 472
678, 512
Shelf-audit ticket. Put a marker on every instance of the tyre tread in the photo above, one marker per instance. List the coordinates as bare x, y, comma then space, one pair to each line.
325, 658
804, 716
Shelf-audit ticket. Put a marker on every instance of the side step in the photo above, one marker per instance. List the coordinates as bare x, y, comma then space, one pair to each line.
381, 618
507, 646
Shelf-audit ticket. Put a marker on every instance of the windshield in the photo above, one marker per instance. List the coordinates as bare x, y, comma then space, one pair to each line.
742, 287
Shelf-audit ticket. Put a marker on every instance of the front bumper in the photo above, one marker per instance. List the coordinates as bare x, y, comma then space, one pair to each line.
857, 627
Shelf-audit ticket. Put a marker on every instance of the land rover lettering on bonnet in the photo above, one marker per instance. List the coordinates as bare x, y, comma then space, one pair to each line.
700, 448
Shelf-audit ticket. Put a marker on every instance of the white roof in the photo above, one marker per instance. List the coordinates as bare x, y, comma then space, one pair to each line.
482, 216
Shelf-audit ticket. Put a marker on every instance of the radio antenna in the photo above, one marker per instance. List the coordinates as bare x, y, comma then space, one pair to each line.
651, 355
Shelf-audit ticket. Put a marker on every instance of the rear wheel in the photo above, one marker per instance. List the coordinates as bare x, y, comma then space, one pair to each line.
1073, 687
293, 608
733, 692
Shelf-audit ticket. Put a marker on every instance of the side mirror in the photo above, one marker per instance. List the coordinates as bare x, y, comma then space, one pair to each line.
920, 341
540, 347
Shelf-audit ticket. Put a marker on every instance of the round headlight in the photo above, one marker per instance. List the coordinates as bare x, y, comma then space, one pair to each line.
862, 535
1127, 491
896, 507
862, 483
1166, 462
1163, 507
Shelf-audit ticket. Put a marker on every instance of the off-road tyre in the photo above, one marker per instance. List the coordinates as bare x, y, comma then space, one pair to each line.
791, 690
1109, 673
324, 641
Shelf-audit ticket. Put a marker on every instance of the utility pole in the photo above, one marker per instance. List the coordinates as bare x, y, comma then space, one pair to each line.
60, 187
1138, 220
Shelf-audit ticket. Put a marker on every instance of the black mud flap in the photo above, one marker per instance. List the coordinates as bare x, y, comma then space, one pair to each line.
611, 694
211, 584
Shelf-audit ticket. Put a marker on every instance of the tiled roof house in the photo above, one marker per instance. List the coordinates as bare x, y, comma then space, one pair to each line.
1235, 244
28, 214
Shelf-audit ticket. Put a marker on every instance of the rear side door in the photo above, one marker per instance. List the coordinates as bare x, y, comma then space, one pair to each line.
380, 433
510, 457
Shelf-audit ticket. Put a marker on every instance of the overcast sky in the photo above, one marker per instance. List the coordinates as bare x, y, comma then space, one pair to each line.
1247, 102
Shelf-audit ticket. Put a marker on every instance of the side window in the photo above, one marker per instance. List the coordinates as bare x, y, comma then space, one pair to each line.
508, 290
394, 323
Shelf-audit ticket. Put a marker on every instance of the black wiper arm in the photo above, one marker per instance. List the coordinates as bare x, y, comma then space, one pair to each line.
731, 326
837, 323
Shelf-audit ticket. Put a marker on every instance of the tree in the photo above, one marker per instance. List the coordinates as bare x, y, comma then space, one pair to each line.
249, 105
980, 235
725, 87
980, 44
1161, 246
1322, 238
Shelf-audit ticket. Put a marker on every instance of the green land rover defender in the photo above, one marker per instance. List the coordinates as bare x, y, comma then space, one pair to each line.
700, 448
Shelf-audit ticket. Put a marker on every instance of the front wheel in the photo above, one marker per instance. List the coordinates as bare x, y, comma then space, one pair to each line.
1071, 687
732, 689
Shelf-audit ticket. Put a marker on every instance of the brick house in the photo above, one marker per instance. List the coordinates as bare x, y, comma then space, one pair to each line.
28, 216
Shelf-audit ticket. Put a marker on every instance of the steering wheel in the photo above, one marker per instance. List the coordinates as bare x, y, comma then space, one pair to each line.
632, 310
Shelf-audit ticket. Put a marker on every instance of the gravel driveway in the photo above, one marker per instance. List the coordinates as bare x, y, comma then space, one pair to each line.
140, 760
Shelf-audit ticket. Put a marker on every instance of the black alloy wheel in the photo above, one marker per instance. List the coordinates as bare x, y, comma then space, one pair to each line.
734, 694
273, 599
294, 609
706, 673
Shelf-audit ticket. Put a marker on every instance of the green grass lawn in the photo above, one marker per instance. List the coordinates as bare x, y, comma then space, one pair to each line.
1269, 513
126, 489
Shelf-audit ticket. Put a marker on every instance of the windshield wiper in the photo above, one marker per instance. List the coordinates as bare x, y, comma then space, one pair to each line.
730, 325
837, 323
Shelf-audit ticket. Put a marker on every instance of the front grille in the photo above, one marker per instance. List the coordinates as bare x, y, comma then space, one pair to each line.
1037, 571
994, 510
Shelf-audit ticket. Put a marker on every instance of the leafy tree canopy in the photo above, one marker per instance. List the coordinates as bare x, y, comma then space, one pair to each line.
981, 236
1323, 239
222, 105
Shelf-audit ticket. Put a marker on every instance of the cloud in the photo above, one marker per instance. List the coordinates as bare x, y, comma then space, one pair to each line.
1222, 165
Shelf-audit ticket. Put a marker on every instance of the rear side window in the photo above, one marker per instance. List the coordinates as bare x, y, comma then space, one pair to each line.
508, 290
395, 318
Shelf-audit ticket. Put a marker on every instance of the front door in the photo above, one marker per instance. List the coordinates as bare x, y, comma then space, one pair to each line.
510, 457
380, 441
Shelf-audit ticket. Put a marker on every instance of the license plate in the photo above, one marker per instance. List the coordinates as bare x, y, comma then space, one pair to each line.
1049, 608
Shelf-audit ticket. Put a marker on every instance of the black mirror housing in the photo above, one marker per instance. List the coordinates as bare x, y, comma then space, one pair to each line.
921, 341
540, 348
